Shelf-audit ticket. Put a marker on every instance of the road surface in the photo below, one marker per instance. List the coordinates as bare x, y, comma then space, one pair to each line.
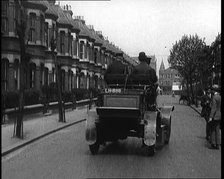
65, 154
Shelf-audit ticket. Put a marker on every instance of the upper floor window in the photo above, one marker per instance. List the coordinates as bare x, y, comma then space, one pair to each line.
46, 34
75, 47
4, 74
95, 56
4, 8
15, 16
106, 60
32, 27
62, 42
69, 43
42, 29
81, 52
4, 23
87, 51
54, 30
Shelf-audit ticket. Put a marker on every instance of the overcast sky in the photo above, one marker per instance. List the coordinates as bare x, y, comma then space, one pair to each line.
151, 26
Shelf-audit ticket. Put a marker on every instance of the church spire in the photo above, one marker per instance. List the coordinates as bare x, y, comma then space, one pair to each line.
162, 66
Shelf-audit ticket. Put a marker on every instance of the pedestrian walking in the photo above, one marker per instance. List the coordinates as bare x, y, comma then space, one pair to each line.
206, 109
215, 118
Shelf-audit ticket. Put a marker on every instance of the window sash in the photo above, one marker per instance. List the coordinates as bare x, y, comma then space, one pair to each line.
4, 78
81, 50
32, 35
95, 56
46, 34
62, 42
54, 31
75, 47
32, 20
4, 9
4, 24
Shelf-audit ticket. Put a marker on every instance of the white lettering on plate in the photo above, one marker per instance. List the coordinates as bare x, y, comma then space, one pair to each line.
112, 90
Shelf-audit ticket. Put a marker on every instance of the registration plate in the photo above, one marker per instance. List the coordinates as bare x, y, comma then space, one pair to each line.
112, 90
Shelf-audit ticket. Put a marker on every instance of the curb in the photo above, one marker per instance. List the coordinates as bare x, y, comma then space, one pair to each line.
38, 137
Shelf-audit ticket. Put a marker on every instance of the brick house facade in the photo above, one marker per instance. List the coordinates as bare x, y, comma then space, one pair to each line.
83, 53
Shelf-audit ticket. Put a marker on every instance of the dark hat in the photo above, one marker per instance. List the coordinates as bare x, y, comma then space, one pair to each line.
142, 56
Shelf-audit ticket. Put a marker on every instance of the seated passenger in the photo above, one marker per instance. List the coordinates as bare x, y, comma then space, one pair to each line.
150, 74
144, 68
116, 71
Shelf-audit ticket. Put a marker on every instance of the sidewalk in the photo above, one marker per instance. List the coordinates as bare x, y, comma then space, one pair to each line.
39, 127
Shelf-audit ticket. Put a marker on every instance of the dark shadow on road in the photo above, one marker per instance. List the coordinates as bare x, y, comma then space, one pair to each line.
125, 147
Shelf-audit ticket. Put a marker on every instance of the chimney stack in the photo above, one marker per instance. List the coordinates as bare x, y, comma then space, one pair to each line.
67, 8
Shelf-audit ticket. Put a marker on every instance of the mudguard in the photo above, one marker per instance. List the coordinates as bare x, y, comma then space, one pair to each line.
165, 112
91, 133
150, 128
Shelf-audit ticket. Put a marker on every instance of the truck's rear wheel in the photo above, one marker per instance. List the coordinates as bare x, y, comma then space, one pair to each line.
94, 148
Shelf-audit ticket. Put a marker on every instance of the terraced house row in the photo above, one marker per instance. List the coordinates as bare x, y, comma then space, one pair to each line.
83, 53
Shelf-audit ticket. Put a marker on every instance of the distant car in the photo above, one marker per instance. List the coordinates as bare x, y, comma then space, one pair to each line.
124, 111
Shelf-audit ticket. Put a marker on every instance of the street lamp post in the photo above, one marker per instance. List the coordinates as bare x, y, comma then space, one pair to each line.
60, 105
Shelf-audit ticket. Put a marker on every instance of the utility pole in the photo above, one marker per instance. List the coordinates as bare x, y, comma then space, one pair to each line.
57, 70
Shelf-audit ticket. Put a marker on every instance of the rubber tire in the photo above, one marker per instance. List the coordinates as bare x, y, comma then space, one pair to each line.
94, 148
166, 141
151, 150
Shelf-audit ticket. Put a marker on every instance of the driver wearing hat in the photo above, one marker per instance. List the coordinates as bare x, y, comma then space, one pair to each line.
144, 68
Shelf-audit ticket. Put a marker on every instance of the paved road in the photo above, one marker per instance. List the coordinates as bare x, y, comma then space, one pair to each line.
65, 154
